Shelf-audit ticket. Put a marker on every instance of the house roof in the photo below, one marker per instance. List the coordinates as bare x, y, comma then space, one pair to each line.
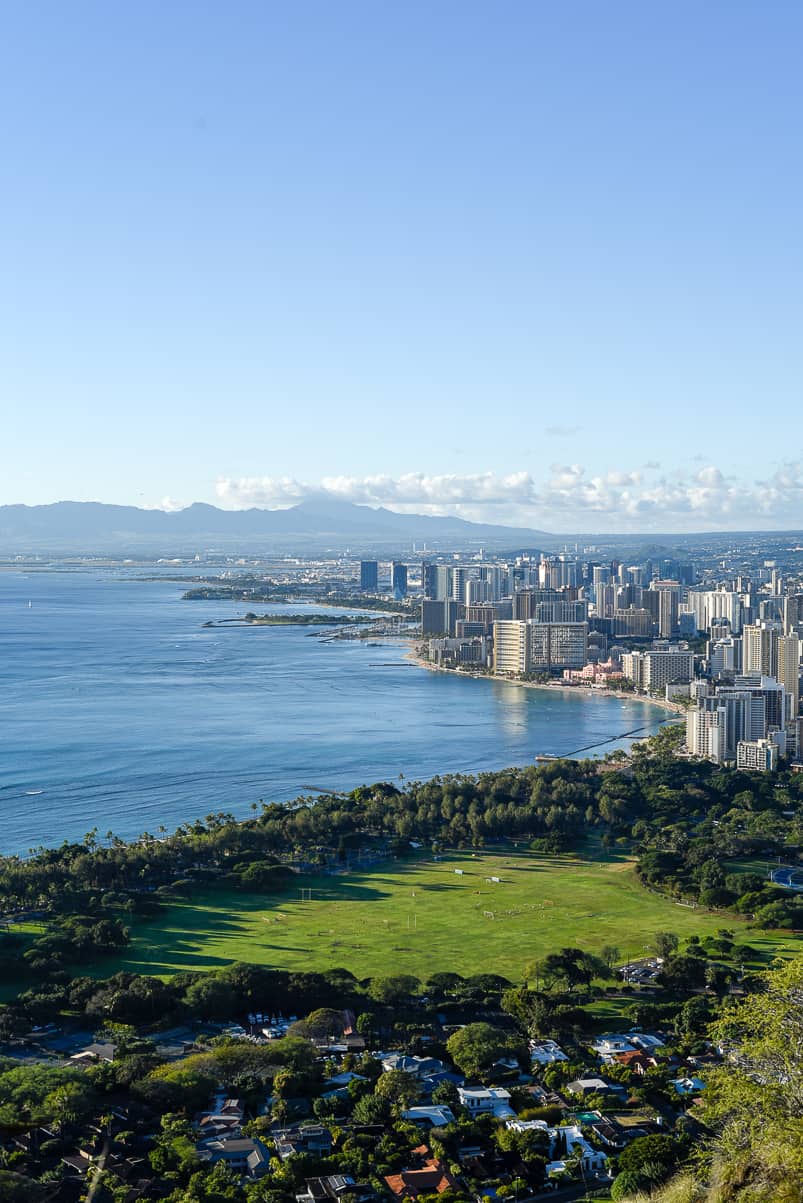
432, 1177
635, 1058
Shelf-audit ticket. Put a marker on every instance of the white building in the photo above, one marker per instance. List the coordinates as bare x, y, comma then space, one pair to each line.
511, 647
593, 1161
707, 731
758, 756
546, 1052
659, 667
523, 645
610, 1046
492, 1100
558, 645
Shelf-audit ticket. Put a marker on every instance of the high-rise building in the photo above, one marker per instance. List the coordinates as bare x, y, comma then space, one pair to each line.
633, 621
792, 612
660, 667
443, 582
600, 575
757, 756
525, 646
398, 580
707, 730
560, 610
558, 645
725, 656
478, 591
789, 673
511, 647
760, 648
668, 603
429, 580
459, 578
605, 603
439, 617
369, 576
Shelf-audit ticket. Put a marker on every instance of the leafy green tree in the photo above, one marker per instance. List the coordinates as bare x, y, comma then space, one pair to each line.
37, 1094
371, 1110
217, 1185
398, 1088
319, 1024
445, 1094
655, 1151
16, 1188
665, 943
754, 1102
174, 1148
476, 1047
572, 967
394, 991
366, 1025
211, 997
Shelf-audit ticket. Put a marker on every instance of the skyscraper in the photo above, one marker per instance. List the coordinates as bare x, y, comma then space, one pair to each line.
760, 648
369, 576
668, 603
398, 580
789, 672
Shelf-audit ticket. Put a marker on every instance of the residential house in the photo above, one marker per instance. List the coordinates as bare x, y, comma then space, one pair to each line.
609, 1132
546, 1052
647, 1041
417, 1067
687, 1086
425, 1176
589, 1086
310, 1138
243, 1155
335, 1187
607, 1047
344, 1079
338, 1087
637, 1061
224, 1119
494, 1100
566, 1141
99, 1050
438, 1117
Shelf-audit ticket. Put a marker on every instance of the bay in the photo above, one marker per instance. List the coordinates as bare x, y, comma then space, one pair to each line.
119, 710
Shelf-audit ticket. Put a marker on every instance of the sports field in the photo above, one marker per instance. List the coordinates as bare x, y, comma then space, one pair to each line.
424, 916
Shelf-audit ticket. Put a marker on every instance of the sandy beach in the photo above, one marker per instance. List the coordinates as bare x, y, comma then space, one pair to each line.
588, 690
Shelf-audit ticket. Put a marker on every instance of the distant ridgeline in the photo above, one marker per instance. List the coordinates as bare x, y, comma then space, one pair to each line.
684, 821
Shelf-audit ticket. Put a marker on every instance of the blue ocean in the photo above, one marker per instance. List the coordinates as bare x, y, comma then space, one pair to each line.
120, 711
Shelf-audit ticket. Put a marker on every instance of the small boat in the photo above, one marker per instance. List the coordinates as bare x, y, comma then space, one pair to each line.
30, 605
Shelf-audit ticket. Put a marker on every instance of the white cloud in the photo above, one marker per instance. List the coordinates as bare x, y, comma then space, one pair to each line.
570, 498
171, 505
168, 504
413, 488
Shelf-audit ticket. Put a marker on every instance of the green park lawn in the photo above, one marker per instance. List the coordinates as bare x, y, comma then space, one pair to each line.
419, 916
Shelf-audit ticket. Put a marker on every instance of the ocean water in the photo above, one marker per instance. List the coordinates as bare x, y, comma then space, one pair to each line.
119, 710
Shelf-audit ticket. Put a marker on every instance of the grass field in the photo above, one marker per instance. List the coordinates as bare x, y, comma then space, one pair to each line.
422, 917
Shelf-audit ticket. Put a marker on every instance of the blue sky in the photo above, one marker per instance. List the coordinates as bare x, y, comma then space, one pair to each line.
525, 262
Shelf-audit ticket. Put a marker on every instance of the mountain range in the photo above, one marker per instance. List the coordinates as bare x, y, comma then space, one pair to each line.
87, 527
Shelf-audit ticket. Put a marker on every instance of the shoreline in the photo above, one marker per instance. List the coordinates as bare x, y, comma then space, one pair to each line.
583, 690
